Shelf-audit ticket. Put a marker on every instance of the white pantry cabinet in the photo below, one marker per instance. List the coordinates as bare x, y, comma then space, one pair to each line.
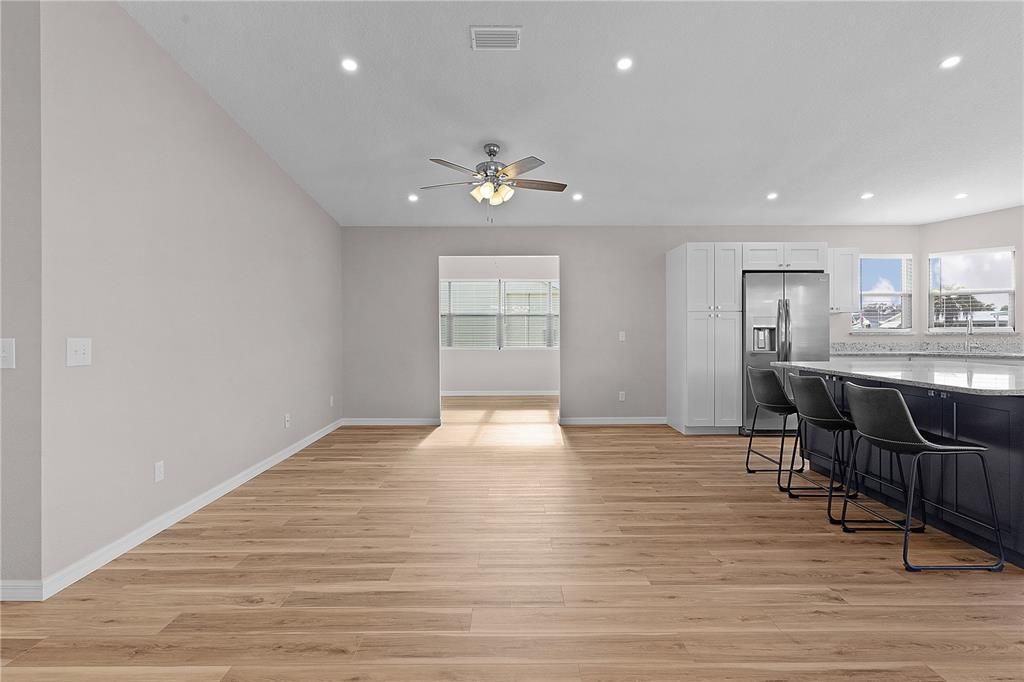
713, 360
704, 298
785, 256
844, 279
714, 276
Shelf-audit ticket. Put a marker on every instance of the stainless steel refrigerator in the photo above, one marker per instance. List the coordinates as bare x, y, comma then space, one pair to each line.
785, 317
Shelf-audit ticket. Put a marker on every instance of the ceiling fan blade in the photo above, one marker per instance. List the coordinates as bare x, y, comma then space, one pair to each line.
455, 166
452, 184
545, 185
521, 166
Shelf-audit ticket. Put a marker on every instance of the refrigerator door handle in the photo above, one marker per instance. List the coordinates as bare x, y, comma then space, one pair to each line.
789, 330
781, 333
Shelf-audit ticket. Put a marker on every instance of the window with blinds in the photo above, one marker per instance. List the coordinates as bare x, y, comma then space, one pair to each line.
497, 313
886, 293
972, 288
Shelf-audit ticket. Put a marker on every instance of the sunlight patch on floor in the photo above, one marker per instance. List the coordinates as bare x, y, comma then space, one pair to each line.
497, 421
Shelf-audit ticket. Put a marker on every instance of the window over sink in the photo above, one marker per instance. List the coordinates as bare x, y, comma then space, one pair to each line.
971, 289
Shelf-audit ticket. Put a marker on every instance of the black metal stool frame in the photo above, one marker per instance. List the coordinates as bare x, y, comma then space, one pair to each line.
995, 566
817, 489
784, 411
854, 483
883, 419
777, 469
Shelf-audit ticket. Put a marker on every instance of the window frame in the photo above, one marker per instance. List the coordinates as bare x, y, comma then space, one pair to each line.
906, 257
550, 315
1011, 327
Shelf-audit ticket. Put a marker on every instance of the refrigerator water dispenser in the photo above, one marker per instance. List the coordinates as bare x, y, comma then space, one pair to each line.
765, 339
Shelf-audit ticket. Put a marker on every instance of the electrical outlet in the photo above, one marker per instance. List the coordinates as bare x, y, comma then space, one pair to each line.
622, 336
158, 471
331, 401
622, 396
287, 420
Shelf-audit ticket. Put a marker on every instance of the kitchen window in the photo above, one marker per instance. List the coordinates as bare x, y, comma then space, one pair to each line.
972, 289
497, 314
886, 293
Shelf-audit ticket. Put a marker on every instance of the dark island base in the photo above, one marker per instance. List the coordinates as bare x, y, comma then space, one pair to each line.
997, 422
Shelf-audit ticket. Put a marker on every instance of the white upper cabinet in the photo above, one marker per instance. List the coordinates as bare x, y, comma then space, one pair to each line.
785, 256
728, 276
714, 276
806, 255
700, 276
844, 279
763, 256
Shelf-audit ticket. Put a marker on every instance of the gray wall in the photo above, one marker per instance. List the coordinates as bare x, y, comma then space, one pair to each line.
612, 278
21, 286
208, 281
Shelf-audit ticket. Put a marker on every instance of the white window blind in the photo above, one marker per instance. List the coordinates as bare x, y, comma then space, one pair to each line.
972, 288
499, 314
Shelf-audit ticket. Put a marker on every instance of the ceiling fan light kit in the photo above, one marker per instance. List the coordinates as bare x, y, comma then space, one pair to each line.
496, 181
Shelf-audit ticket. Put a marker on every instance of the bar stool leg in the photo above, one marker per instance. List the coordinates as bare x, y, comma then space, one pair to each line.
851, 470
920, 475
903, 482
782, 451
910, 509
750, 440
909, 565
831, 477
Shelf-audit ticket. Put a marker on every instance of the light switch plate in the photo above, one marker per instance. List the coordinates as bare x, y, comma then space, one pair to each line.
79, 351
6, 353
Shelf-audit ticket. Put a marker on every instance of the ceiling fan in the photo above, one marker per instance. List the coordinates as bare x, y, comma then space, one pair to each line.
496, 182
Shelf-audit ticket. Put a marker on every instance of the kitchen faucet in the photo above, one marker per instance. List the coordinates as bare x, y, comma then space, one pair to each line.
968, 346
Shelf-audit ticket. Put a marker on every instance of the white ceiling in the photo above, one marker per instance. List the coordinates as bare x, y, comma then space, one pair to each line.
819, 102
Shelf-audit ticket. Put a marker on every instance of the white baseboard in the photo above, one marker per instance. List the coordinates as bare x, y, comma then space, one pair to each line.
496, 393
55, 582
390, 421
21, 590
709, 430
610, 421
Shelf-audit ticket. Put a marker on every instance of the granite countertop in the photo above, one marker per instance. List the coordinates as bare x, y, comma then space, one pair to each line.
944, 374
981, 355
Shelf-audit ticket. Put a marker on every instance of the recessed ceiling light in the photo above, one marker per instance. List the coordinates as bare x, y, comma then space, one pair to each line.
962, 195
413, 198
577, 197
349, 64
950, 62
771, 196
624, 64
867, 195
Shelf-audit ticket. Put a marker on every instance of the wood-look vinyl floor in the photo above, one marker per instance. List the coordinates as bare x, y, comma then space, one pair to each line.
500, 547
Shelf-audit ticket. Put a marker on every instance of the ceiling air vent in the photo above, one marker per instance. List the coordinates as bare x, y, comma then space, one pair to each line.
495, 38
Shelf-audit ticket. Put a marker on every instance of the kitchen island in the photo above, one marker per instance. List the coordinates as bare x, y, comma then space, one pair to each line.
977, 401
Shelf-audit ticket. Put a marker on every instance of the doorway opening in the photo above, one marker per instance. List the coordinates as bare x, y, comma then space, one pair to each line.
499, 340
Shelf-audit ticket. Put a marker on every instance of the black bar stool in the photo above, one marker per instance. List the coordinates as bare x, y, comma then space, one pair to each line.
883, 419
768, 395
815, 407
